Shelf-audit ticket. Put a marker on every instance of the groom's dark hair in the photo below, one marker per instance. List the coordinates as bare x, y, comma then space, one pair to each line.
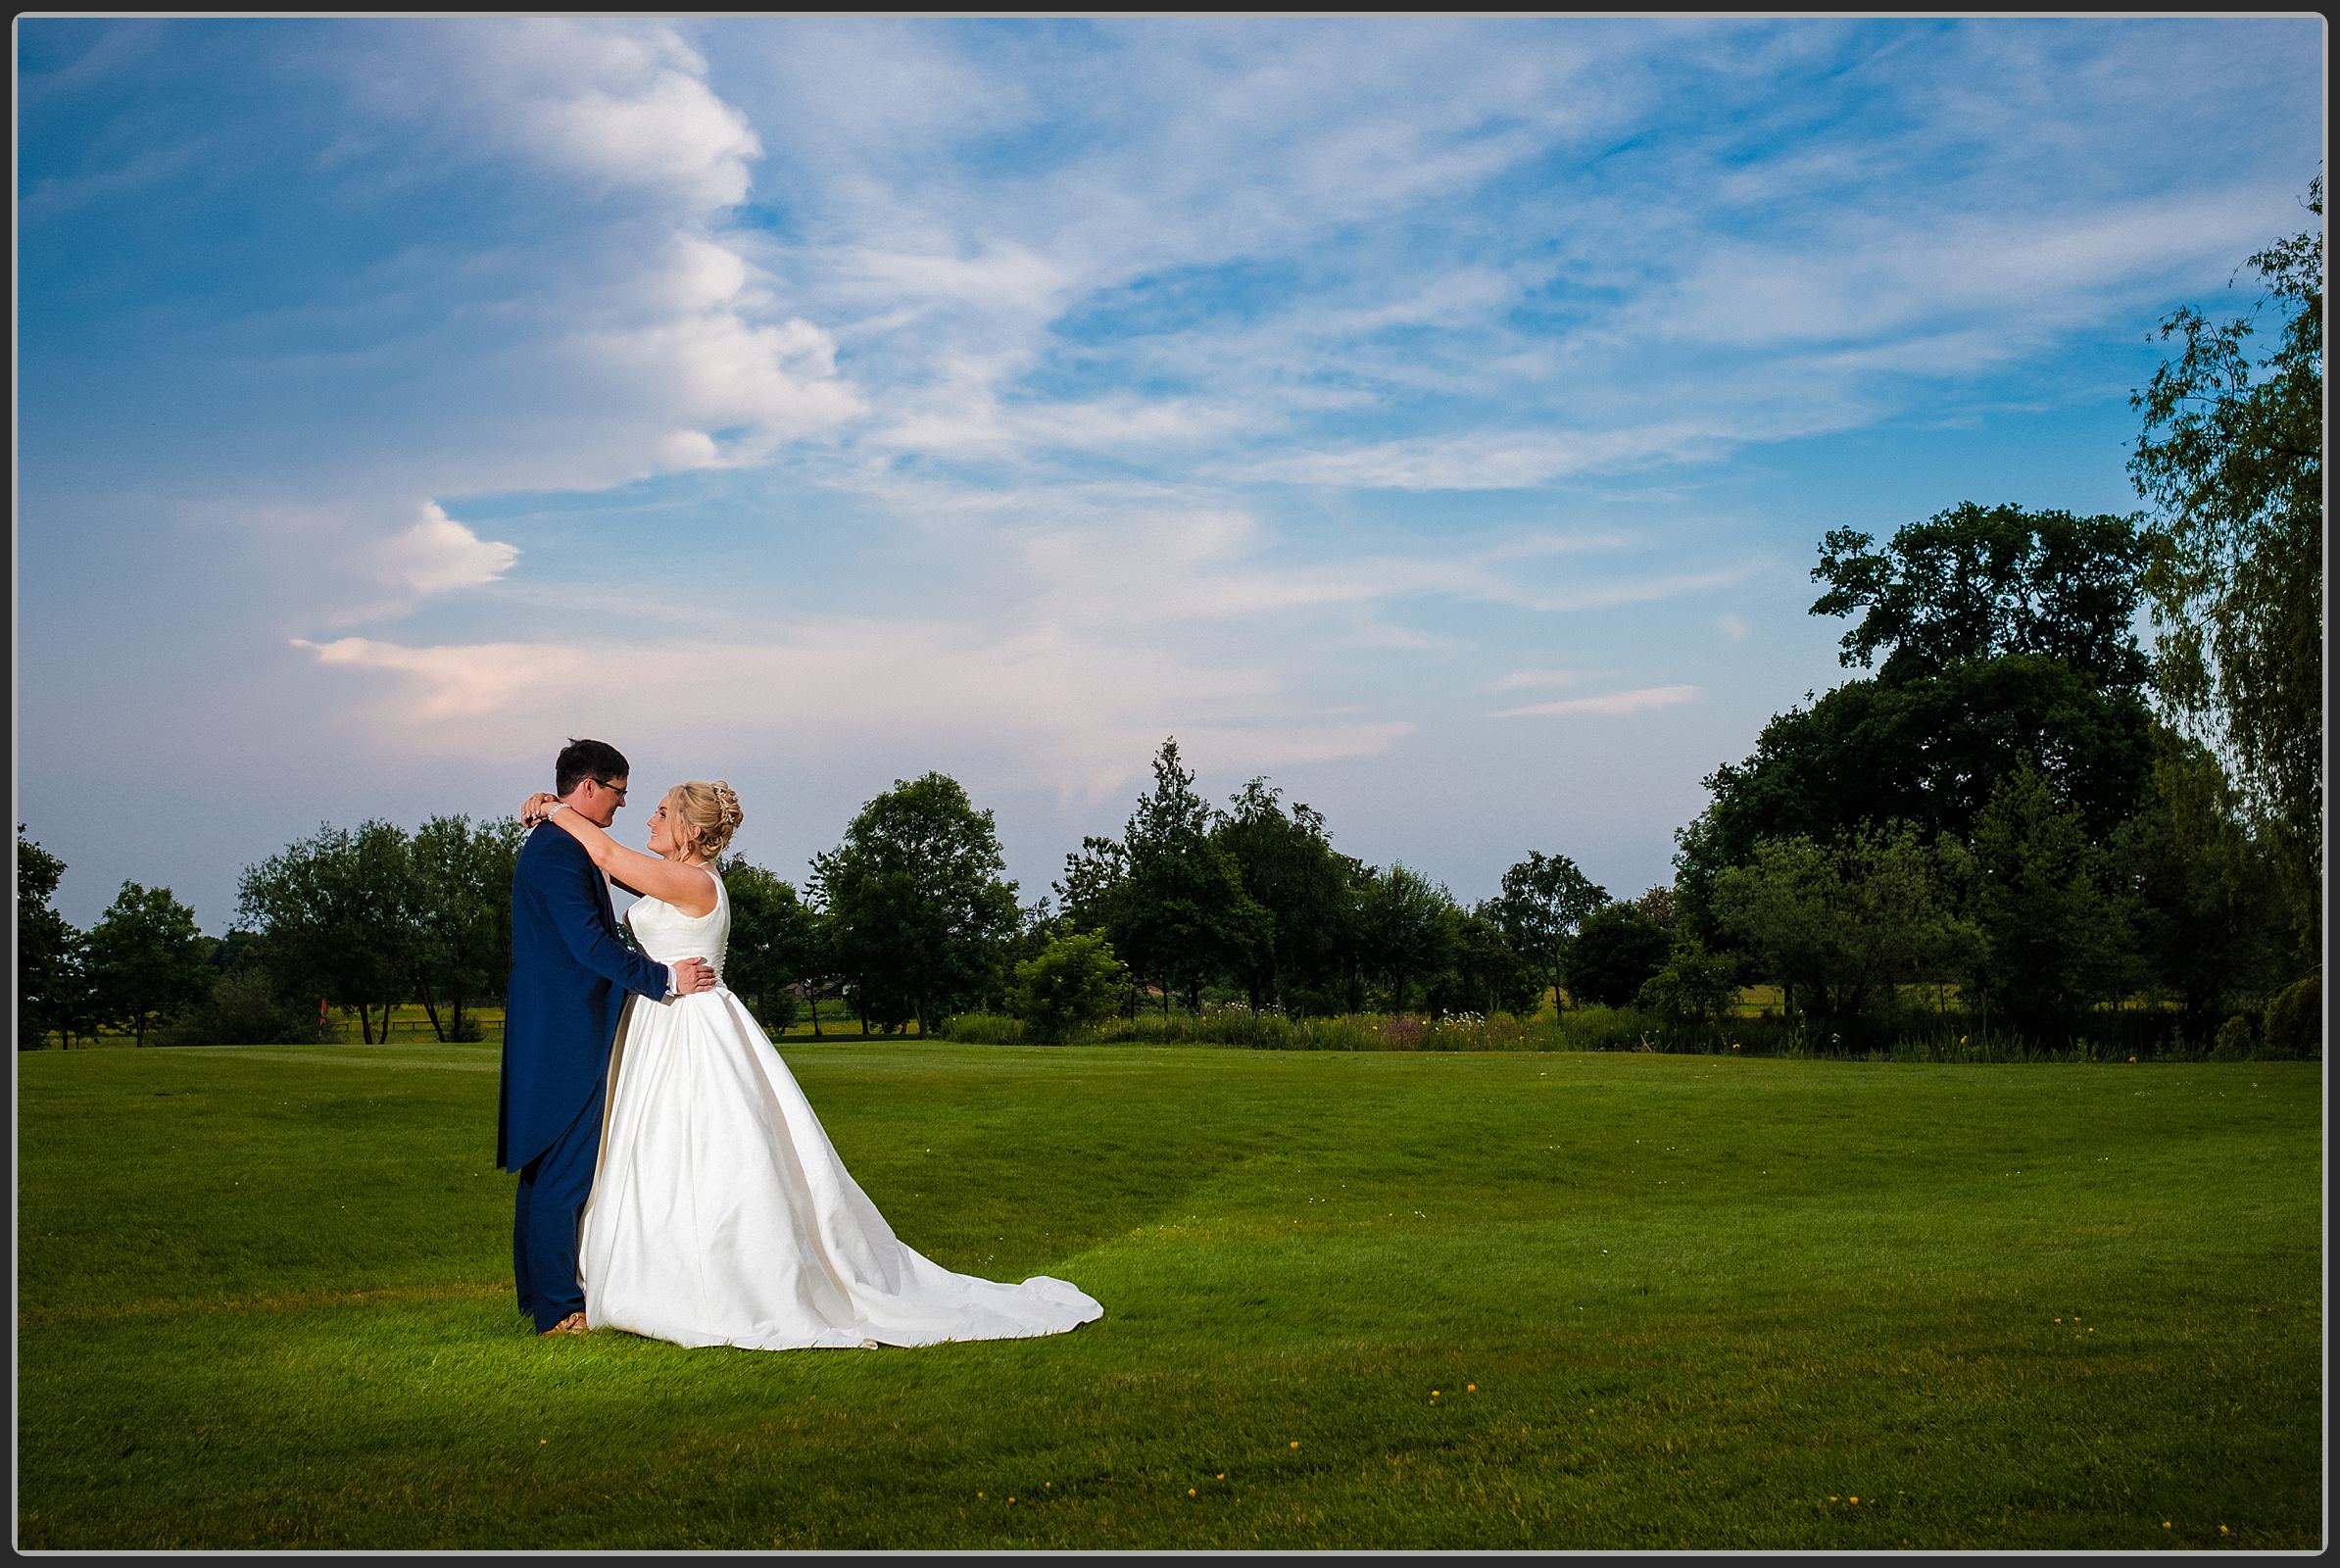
583, 760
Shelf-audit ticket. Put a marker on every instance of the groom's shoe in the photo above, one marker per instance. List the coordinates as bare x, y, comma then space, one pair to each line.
574, 1323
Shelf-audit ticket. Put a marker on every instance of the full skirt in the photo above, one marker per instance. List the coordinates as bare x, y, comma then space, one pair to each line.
721, 1214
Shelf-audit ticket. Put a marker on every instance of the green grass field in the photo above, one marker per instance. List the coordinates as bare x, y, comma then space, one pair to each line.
1351, 1300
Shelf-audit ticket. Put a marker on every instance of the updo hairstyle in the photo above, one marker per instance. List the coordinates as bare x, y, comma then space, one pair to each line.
702, 816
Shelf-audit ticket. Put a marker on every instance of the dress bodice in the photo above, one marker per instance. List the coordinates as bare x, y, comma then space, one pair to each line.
667, 934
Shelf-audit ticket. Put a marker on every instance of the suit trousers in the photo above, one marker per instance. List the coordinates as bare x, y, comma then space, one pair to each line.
548, 1215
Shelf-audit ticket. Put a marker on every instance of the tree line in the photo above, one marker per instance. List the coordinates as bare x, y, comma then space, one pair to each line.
2014, 803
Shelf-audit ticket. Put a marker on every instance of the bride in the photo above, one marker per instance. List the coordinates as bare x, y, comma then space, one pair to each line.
720, 1212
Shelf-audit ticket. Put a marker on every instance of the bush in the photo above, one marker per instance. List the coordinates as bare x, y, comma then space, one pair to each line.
243, 1010
1616, 950
1073, 982
2295, 1019
2236, 1036
983, 1029
1696, 986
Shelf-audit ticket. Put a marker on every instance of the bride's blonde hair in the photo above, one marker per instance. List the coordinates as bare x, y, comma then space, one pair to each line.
703, 815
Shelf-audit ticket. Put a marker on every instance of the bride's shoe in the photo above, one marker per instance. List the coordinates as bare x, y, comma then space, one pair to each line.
574, 1323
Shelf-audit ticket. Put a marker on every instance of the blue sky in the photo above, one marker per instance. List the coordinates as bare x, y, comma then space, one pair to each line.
1437, 416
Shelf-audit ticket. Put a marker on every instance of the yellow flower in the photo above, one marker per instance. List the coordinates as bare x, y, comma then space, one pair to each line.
1470, 1388
1856, 1500
2221, 1529
2164, 1524
1296, 1443
1190, 1491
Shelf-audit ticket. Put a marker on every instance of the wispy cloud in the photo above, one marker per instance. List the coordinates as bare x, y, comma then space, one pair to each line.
439, 554
1610, 704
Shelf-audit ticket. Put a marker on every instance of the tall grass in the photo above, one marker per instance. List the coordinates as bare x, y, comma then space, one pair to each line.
1915, 1036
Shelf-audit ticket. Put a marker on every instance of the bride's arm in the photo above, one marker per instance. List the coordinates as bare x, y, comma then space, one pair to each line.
689, 888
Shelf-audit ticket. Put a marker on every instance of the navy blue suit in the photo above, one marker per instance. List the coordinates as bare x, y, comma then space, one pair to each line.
569, 978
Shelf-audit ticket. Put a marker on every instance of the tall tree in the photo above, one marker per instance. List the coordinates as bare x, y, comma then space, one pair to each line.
921, 912
2054, 935
51, 981
1617, 951
1412, 929
1545, 898
1289, 869
772, 944
1839, 925
337, 907
1186, 917
1975, 582
2231, 453
461, 907
146, 957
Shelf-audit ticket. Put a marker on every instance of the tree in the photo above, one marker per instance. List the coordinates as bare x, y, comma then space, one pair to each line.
2231, 452
1928, 752
1488, 974
772, 942
52, 982
461, 907
2202, 888
1543, 899
1694, 986
1411, 929
337, 909
1184, 916
1616, 952
1288, 866
146, 957
921, 911
1841, 925
1975, 582
1074, 981
2053, 934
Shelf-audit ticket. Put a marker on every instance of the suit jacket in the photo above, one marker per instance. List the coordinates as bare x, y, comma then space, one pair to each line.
569, 979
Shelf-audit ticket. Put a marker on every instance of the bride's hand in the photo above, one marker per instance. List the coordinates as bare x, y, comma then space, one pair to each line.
536, 807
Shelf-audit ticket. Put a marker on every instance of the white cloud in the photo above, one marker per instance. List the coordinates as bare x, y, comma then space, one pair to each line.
1732, 627
621, 106
1082, 711
439, 555
1533, 677
1646, 700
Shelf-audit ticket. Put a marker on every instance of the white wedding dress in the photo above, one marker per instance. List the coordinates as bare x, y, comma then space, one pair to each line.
720, 1213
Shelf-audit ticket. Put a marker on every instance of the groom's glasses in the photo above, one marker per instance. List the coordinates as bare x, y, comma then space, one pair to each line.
617, 789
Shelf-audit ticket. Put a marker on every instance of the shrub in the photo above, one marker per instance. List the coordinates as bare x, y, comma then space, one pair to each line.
1071, 983
2236, 1036
243, 1010
2295, 1019
1694, 987
983, 1029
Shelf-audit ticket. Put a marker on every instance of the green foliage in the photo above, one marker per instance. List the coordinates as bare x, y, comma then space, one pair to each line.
2199, 887
1073, 982
2294, 1024
2054, 936
1616, 952
1409, 928
1543, 899
775, 942
1841, 925
2231, 453
458, 900
983, 1029
919, 908
244, 1007
53, 992
1692, 986
1183, 915
1974, 583
1289, 869
146, 958
339, 911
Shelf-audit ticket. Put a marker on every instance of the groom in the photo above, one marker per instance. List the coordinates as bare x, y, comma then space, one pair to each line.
569, 979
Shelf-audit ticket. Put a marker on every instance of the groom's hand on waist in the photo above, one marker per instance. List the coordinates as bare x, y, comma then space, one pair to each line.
690, 976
